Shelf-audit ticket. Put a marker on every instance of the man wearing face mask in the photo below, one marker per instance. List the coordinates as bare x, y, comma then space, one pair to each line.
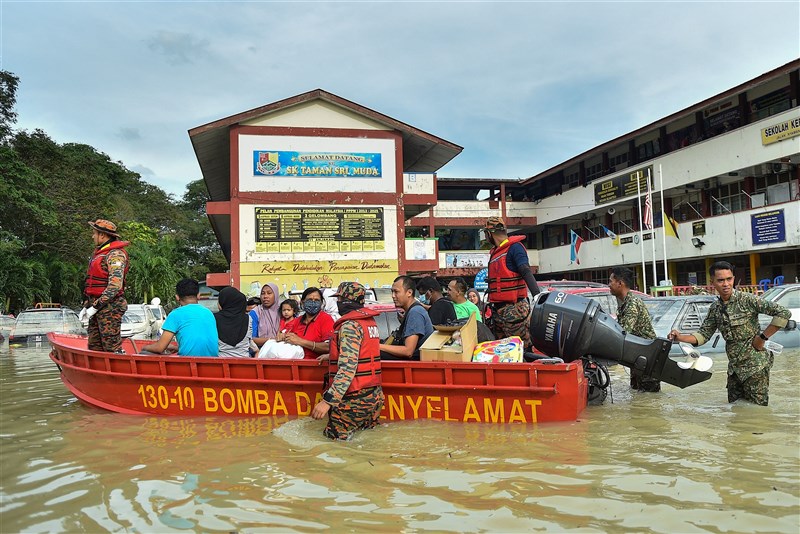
313, 329
440, 309
354, 397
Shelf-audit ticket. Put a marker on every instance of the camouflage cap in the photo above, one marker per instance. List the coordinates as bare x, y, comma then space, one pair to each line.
351, 291
495, 224
107, 227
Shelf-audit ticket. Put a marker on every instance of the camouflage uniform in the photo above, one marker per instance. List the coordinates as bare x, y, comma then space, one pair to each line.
737, 321
633, 317
357, 410
513, 320
104, 326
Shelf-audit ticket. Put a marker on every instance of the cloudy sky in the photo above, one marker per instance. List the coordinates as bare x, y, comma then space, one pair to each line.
522, 86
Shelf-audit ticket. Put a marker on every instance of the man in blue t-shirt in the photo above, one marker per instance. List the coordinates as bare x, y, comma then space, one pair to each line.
416, 325
191, 324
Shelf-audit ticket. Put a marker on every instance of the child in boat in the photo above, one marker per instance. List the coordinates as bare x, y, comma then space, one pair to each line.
289, 310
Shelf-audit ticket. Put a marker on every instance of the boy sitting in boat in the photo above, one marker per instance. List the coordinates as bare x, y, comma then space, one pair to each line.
192, 324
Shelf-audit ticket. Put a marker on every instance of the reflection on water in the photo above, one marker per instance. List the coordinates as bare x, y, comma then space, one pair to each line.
676, 461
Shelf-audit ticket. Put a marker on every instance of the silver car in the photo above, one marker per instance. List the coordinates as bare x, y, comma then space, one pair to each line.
788, 296
139, 322
684, 314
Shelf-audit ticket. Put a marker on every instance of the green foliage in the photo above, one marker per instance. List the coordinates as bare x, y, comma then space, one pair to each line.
50, 191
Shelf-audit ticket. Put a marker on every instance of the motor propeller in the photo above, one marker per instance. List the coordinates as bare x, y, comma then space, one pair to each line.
570, 327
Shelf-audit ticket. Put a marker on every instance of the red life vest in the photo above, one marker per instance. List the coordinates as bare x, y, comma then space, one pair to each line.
97, 274
504, 284
368, 372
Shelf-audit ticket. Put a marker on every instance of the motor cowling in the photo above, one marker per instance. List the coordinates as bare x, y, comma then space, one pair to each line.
570, 326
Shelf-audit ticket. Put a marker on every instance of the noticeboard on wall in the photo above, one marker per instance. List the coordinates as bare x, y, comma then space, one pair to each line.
289, 230
768, 227
624, 185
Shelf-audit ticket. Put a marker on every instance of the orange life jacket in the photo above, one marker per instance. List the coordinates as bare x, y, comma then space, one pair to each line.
97, 274
504, 284
368, 372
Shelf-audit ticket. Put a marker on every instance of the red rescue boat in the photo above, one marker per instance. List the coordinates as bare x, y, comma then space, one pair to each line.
449, 391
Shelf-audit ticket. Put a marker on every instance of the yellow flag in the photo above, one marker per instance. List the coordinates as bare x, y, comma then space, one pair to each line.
670, 225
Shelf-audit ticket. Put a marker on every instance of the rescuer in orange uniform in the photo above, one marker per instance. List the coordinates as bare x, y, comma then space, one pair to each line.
510, 278
354, 398
104, 288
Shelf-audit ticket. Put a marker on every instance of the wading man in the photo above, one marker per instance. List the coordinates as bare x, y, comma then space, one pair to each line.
354, 399
633, 317
735, 315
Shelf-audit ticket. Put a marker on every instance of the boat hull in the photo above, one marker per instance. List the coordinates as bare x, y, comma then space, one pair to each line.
191, 386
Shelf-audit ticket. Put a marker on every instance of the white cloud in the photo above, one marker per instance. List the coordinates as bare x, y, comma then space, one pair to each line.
521, 86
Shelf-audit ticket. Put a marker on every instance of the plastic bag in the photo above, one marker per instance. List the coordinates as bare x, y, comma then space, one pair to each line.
280, 350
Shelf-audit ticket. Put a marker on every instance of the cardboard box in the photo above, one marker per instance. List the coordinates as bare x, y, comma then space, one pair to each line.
437, 347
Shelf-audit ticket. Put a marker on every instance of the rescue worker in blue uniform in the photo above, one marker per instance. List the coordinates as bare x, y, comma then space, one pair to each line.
354, 398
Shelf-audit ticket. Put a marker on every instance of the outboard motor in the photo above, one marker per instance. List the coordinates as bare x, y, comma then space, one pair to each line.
571, 327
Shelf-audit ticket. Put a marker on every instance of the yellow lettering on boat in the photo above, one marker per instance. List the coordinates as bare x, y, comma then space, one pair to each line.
516, 413
415, 407
533, 404
471, 411
262, 402
431, 409
447, 410
303, 402
244, 400
278, 404
492, 415
396, 407
230, 405
210, 399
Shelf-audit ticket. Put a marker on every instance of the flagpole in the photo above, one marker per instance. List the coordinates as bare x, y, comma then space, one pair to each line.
664, 221
652, 224
641, 235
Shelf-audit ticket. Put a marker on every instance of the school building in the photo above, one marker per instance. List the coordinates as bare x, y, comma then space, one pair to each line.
315, 189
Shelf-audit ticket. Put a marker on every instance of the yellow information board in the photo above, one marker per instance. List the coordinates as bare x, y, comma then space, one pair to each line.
298, 275
778, 132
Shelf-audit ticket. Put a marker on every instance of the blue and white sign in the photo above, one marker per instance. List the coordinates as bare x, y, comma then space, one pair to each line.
480, 279
768, 227
317, 164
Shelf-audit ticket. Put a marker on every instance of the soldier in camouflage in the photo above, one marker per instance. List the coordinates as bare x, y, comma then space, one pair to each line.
735, 314
104, 289
633, 317
354, 398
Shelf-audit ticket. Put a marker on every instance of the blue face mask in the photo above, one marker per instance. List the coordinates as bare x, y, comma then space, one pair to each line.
312, 307
423, 298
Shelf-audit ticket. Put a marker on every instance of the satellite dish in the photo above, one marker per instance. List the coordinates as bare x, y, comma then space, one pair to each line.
611, 211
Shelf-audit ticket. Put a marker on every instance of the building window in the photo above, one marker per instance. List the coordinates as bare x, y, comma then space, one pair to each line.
649, 150
622, 222
594, 171
728, 199
770, 104
572, 179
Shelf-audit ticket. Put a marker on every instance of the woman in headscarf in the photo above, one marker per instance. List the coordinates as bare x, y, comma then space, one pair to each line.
475, 297
268, 314
313, 330
234, 327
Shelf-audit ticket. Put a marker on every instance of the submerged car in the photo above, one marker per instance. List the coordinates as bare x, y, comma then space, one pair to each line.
158, 312
33, 324
139, 322
685, 314
787, 296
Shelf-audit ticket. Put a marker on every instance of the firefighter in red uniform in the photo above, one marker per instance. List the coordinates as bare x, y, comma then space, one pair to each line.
354, 399
104, 290
510, 278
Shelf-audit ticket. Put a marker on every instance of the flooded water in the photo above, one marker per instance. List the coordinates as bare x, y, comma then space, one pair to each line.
675, 461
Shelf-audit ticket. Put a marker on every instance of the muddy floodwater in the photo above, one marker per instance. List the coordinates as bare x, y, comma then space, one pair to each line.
675, 461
